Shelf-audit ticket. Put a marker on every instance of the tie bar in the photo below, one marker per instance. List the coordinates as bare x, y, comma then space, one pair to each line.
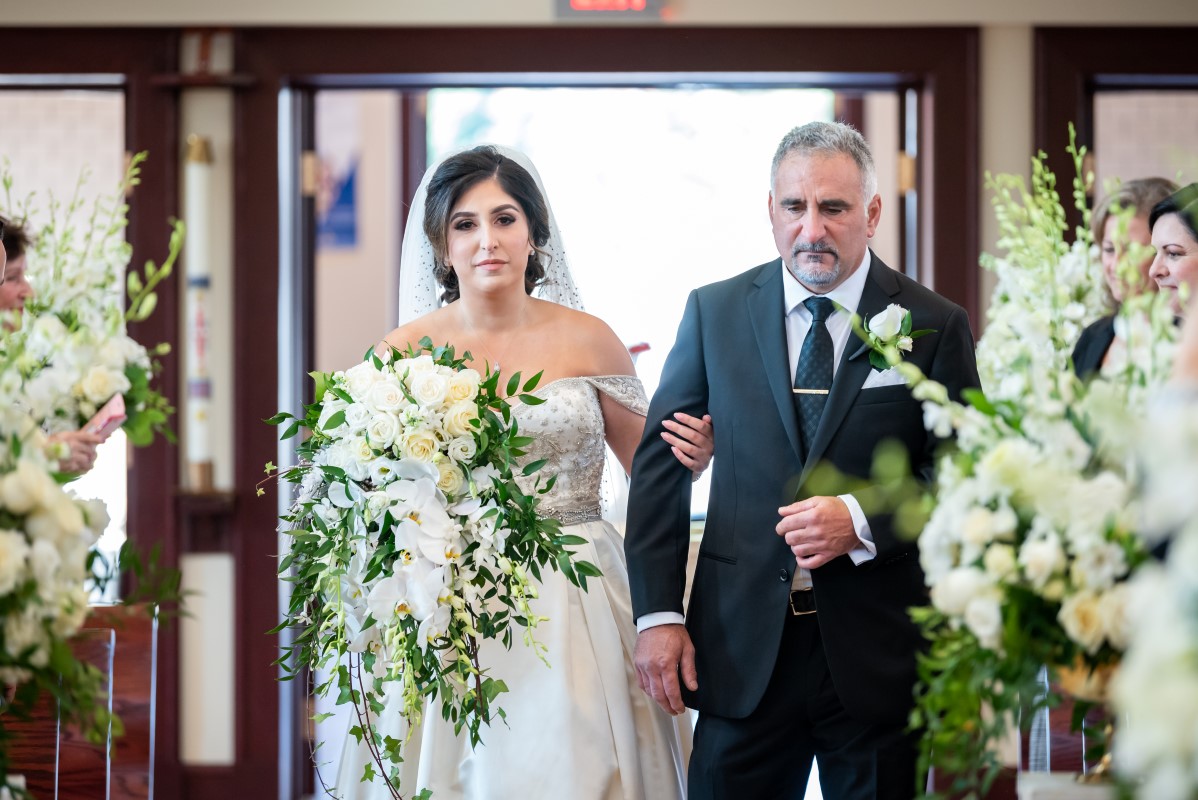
810, 391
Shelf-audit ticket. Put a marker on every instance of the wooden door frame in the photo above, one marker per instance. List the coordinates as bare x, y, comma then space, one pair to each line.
1071, 64
942, 63
138, 57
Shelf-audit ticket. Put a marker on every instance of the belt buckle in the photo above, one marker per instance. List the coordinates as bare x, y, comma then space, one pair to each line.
794, 611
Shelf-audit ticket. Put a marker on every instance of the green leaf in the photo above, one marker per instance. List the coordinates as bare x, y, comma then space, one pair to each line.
532, 382
513, 384
533, 466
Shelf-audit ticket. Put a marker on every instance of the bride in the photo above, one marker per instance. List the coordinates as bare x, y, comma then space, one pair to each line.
581, 727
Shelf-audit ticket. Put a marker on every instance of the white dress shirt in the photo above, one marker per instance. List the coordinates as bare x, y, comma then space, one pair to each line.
846, 296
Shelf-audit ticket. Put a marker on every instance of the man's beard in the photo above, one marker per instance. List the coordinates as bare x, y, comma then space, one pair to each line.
814, 274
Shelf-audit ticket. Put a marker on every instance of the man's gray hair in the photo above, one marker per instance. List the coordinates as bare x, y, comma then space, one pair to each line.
826, 139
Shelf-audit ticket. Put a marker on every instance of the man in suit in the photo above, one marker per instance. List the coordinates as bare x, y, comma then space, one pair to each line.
796, 644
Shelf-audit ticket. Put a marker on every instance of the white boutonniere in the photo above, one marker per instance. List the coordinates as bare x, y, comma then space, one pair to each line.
888, 335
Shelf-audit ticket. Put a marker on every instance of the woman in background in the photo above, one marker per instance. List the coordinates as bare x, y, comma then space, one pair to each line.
1099, 341
1174, 226
15, 290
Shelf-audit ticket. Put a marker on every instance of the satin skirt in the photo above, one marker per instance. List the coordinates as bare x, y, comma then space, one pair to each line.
578, 729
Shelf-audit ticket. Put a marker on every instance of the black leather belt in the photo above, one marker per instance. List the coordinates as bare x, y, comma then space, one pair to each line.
802, 602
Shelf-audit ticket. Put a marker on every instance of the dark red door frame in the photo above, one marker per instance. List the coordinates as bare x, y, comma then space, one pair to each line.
940, 63
135, 57
1073, 63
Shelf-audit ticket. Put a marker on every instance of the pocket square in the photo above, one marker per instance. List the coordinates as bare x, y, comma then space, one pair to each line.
888, 377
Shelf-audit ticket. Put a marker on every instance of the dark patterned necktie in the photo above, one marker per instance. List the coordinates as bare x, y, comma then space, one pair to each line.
813, 374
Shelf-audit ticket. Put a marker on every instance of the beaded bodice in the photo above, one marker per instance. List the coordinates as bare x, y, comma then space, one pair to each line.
567, 431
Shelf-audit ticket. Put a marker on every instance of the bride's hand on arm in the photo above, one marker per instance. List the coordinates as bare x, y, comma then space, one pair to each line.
690, 439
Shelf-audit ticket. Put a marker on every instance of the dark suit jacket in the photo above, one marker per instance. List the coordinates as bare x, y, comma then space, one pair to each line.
730, 360
1091, 347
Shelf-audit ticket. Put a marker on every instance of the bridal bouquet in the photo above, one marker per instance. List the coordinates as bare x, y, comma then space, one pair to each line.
45, 537
411, 539
76, 351
1033, 536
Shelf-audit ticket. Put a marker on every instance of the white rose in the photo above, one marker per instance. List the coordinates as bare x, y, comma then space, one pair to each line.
95, 515
72, 610
462, 448
25, 488
58, 521
999, 561
385, 396
360, 377
43, 563
887, 324
905, 343
357, 417
1113, 607
420, 444
952, 593
463, 385
1098, 565
112, 355
347, 455
418, 365
983, 617
459, 416
429, 388
382, 430
330, 408
1041, 559
1004, 522
100, 384
13, 552
979, 527
1081, 617
450, 478
24, 630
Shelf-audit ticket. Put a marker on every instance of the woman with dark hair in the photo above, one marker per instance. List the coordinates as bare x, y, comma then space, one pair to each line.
14, 286
15, 290
580, 728
1174, 226
1115, 232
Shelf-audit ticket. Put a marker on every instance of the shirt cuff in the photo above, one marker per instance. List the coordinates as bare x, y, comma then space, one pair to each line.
657, 618
868, 550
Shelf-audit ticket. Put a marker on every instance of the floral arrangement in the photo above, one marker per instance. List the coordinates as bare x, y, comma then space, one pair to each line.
411, 540
1155, 690
45, 538
1033, 535
76, 351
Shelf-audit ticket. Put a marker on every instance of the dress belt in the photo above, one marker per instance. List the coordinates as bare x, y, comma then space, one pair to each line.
802, 602
572, 517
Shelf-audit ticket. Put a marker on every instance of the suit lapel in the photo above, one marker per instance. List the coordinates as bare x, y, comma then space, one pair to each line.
766, 313
854, 367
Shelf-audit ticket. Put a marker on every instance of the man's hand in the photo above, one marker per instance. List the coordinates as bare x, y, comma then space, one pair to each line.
818, 530
661, 652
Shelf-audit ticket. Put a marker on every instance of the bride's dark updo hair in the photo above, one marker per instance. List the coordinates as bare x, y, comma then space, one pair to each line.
457, 175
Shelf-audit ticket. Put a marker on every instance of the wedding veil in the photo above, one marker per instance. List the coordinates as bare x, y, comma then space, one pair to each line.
419, 294
418, 290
